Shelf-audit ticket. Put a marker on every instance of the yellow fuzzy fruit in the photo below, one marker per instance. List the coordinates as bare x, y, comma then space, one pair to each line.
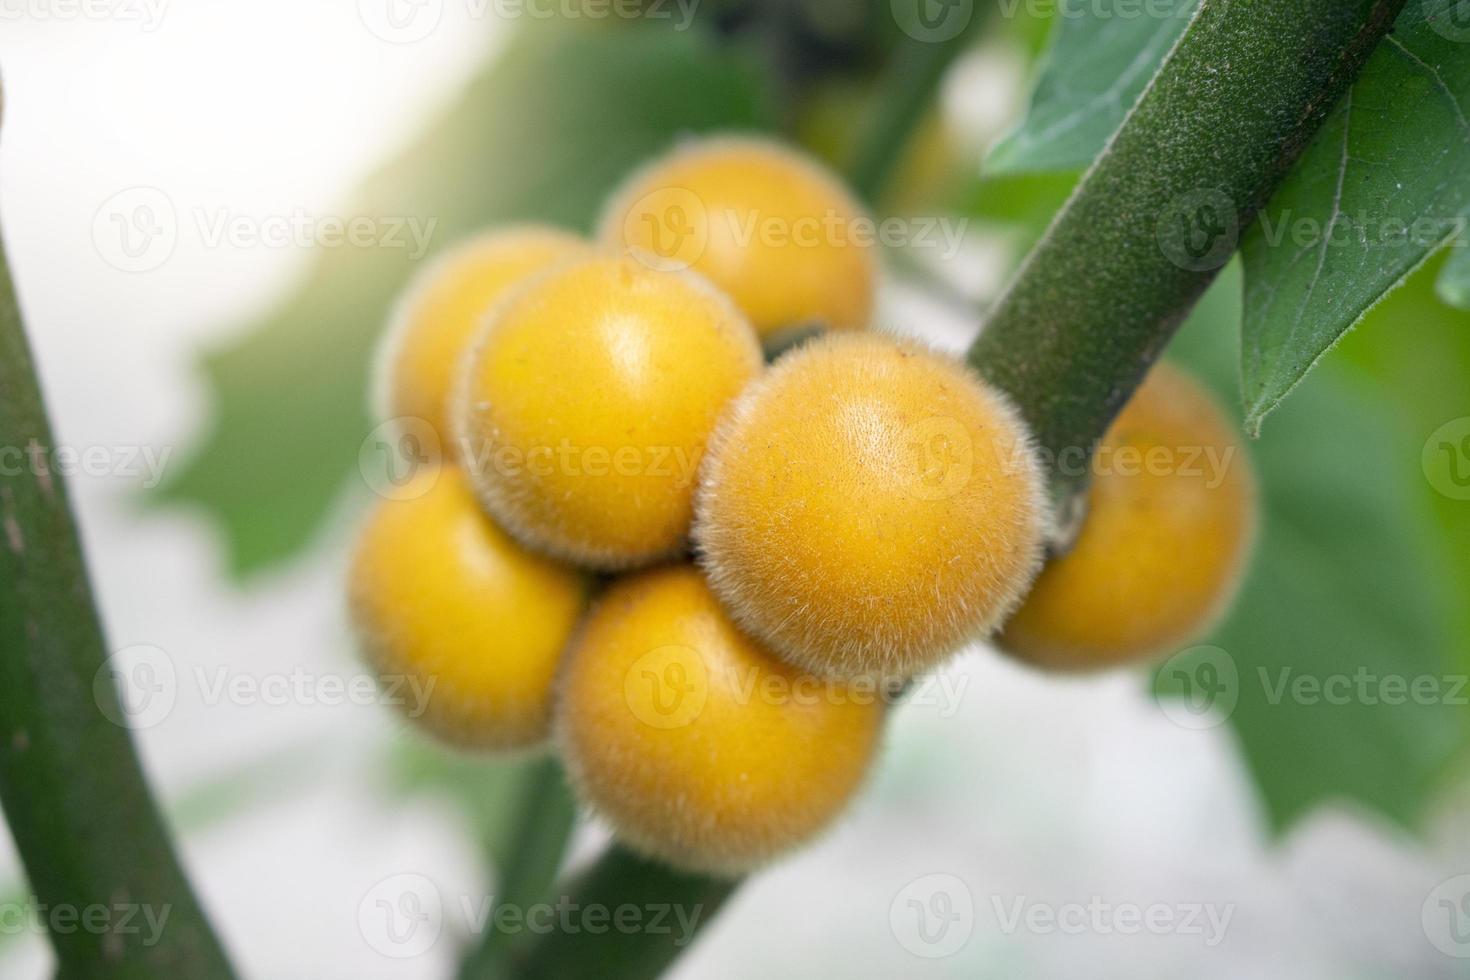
697, 745
1170, 522
464, 626
869, 506
438, 316
770, 227
587, 402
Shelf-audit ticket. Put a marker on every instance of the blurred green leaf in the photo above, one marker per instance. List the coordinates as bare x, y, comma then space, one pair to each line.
553, 124
1383, 186
1454, 279
1348, 582
1416, 351
1102, 55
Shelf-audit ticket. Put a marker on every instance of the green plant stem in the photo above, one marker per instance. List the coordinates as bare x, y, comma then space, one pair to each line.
906, 92
1230, 110
527, 861
75, 798
576, 949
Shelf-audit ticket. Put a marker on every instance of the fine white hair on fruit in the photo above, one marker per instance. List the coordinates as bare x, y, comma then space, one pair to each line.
809, 529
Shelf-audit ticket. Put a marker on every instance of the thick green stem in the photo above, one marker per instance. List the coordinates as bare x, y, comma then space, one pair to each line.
527, 862
102, 868
1159, 212
626, 917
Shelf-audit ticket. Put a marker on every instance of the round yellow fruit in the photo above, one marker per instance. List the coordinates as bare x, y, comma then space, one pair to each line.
464, 627
437, 318
869, 506
1169, 527
770, 227
587, 403
699, 746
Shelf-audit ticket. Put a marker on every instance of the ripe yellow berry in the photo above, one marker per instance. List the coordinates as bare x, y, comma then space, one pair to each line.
770, 227
465, 627
869, 506
437, 318
587, 402
697, 745
1170, 521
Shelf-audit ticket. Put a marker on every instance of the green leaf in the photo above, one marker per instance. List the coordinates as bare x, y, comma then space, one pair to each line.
1454, 279
1347, 583
1416, 351
1385, 184
1102, 54
544, 134
1154, 217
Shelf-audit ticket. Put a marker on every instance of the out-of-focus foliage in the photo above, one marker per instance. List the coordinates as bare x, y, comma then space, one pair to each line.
1347, 604
544, 134
1101, 57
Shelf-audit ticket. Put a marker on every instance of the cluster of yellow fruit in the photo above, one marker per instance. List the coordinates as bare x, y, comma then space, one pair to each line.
860, 509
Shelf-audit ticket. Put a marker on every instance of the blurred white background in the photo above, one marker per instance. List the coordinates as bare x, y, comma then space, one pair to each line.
1016, 792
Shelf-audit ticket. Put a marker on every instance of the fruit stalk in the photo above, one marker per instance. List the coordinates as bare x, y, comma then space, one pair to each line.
622, 880
75, 798
1159, 212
